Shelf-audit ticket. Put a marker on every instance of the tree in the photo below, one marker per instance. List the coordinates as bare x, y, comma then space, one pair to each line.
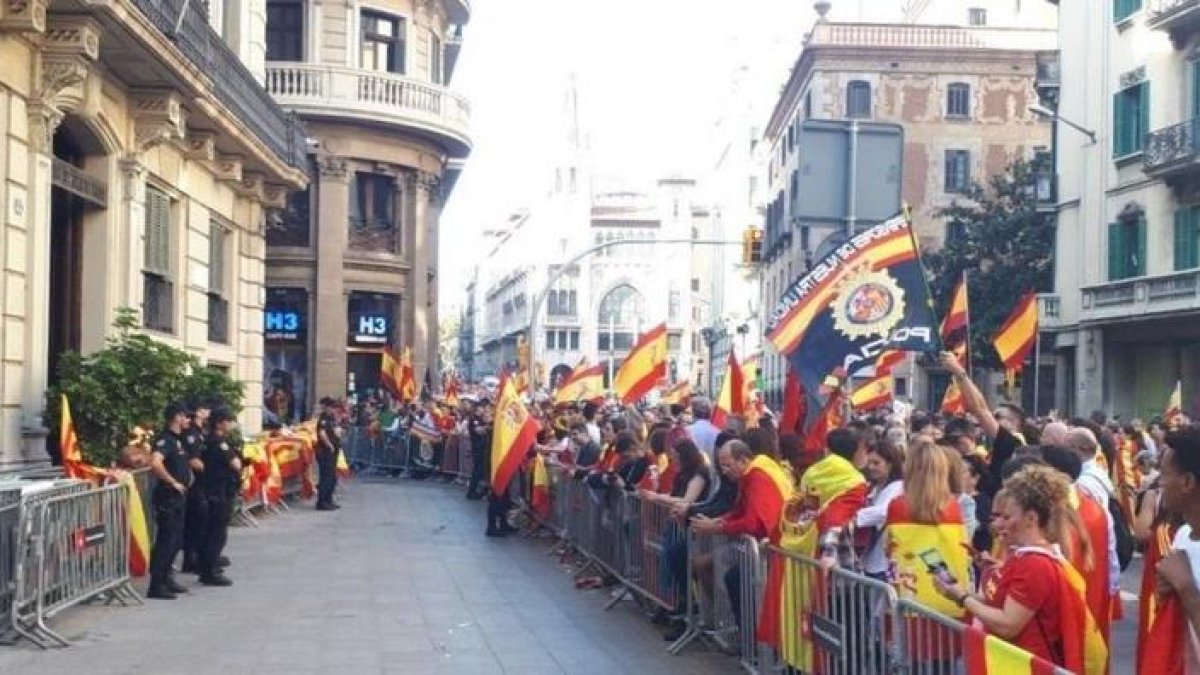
129, 382
1003, 243
448, 341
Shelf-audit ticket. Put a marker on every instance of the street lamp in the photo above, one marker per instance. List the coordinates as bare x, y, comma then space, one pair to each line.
1042, 111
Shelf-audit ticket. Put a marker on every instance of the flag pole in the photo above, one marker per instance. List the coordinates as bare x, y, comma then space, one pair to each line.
1037, 368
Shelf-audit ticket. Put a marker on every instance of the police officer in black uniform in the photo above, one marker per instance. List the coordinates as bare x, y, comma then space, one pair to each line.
170, 464
217, 486
195, 522
479, 427
329, 444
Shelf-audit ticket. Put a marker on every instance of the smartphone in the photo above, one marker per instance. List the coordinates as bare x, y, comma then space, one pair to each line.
937, 565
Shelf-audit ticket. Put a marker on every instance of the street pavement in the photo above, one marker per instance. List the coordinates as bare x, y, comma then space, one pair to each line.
400, 580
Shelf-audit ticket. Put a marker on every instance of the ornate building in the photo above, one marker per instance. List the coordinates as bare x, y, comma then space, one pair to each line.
352, 263
141, 157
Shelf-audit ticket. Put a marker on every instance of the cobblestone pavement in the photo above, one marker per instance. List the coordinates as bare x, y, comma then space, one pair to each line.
400, 580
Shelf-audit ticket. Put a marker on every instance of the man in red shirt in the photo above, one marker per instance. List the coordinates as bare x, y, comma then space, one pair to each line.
764, 489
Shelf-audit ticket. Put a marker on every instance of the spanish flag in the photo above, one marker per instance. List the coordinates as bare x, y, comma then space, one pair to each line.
644, 367
835, 490
389, 372
874, 393
583, 384
406, 384
732, 400
829, 419
1094, 572
909, 538
1174, 403
1018, 334
679, 394
1084, 651
887, 360
958, 316
1160, 636
139, 532
989, 655
953, 402
514, 431
539, 491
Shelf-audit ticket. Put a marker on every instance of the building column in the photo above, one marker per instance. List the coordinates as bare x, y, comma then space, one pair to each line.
418, 289
433, 223
1090, 364
330, 323
43, 122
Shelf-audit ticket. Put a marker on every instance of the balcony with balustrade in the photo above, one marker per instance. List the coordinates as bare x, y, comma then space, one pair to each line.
1180, 18
1142, 297
1172, 152
318, 90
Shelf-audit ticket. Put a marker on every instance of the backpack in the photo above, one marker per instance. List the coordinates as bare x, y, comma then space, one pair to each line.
1123, 534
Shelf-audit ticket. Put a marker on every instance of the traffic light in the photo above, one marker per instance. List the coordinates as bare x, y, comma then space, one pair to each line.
752, 246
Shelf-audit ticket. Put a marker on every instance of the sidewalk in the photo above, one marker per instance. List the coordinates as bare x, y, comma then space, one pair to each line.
400, 580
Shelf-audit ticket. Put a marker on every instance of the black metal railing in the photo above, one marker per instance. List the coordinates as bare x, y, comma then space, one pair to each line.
1170, 145
234, 84
158, 303
218, 319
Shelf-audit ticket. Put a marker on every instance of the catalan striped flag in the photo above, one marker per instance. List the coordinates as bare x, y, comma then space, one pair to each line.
514, 431
874, 393
959, 314
1018, 334
389, 372
867, 292
644, 367
732, 400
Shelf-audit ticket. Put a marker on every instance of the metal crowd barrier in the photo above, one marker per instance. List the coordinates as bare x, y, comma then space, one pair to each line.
73, 547
10, 519
386, 453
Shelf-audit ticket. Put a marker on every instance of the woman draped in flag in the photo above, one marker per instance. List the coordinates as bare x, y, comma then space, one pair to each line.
1039, 601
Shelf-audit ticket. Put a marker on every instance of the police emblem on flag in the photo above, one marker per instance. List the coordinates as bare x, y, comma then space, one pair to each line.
868, 304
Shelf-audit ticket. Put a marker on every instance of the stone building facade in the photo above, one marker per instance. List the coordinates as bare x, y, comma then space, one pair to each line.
962, 95
352, 263
137, 172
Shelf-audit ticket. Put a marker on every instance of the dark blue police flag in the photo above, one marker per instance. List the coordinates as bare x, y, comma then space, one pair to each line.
868, 295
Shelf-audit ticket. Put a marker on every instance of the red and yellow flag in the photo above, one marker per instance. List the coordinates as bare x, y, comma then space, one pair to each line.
68, 447
539, 494
958, 314
887, 360
1160, 636
679, 394
1018, 334
874, 393
732, 400
909, 537
644, 367
389, 372
829, 419
583, 384
514, 431
989, 655
1094, 572
406, 384
791, 419
451, 398
1174, 404
139, 532
953, 403
1084, 651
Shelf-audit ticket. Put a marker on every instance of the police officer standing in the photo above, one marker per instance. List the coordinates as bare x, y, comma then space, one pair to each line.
217, 486
195, 523
480, 428
329, 444
169, 462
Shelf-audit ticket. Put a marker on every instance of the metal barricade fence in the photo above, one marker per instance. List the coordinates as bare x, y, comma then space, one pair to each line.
144, 480
659, 543
710, 613
10, 520
449, 465
72, 548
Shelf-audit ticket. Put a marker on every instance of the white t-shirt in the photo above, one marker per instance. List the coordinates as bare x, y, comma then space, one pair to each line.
1184, 542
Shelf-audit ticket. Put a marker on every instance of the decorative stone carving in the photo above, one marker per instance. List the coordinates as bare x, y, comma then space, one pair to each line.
23, 16
251, 185
274, 196
228, 169
133, 173
43, 122
158, 117
330, 166
200, 146
431, 185
73, 36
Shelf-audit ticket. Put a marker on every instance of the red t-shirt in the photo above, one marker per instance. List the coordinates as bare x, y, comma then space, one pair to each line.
1032, 580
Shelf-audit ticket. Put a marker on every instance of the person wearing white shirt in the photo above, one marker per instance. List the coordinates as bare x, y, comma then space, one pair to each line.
1094, 483
885, 470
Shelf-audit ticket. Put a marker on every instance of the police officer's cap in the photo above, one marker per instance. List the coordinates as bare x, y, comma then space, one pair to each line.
221, 414
327, 401
173, 409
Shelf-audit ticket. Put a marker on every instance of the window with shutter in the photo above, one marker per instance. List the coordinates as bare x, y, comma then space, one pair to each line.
958, 171
216, 258
1187, 244
1131, 119
858, 100
958, 100
158, 291
1116, 252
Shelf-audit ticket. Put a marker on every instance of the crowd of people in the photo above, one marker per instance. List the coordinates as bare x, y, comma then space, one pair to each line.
1021, 525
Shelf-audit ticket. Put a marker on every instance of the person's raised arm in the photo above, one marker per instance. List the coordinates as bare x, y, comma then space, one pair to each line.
973, 399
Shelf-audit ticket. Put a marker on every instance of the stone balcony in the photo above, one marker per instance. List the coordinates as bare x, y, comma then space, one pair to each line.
1180, 18
337, 92
1141, 297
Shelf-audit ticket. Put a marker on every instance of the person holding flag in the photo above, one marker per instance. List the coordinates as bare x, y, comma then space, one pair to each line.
514, 434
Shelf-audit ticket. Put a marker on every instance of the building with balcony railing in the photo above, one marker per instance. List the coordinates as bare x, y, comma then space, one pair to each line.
958, 79
142, 161
356, 254
1125, 324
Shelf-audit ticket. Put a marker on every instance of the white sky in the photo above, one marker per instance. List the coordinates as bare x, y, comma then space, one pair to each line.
652, 78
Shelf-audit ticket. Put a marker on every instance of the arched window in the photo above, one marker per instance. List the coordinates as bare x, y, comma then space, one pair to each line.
858, 100
623, 305
958, 100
